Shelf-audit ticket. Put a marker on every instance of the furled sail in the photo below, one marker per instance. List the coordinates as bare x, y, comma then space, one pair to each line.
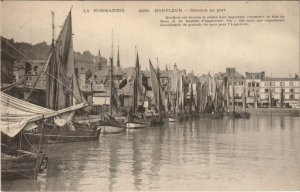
61, 83
136, 85
156, 89
114, 98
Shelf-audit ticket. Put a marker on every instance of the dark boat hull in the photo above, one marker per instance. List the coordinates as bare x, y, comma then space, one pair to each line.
212, 116
237, 115
23, 165
53, 134
112, 126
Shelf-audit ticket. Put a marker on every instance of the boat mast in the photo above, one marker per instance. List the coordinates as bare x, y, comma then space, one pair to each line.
159, 96
270, 93
53, 29
111, 74
233, 105
244, 96
135, 83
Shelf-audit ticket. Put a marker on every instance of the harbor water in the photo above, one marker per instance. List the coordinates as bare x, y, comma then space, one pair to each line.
260, 153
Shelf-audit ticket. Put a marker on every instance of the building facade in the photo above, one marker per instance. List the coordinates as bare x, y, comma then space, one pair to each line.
283, 92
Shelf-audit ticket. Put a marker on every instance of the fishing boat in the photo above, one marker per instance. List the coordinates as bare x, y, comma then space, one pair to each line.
158, 97
109, 125
19, 161
21, 164
173, 119
233, 113
135, 121
63, 94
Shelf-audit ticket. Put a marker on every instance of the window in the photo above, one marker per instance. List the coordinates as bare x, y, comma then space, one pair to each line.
249, 84
257, 84
292, 90
266, 83
273, 90
291, 83
253, 84
281, 83
272, 83
266, 90
292, 97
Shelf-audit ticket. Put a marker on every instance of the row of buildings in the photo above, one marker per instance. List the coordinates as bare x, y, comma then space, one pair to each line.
93, 82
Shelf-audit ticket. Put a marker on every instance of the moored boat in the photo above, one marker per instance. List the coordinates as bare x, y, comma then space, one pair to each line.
211, 115
135, 125
20, 164
19, 160
111, 126
75, 133
64, 98
172, 119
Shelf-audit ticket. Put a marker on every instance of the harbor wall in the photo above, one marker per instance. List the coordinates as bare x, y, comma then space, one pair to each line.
274, 111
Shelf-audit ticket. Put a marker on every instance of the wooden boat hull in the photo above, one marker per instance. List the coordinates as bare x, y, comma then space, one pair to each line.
53, 134
135, 125
173, 119
107, 129
245, 115
157, 122
112, 126
212, 116
237, 115
176, 118
24, 166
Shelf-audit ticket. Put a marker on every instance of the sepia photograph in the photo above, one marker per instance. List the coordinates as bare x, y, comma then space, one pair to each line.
150, 96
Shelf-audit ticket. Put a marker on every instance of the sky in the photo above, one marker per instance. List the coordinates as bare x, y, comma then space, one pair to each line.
269, 47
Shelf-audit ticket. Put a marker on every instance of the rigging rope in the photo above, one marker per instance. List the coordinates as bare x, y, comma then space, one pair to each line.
29, 142
16, 49
62, 84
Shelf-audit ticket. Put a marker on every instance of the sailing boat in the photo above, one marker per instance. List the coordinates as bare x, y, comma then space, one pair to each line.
233, 113
18, 161
109, 124
177, 115
134, 121
62, 92
244, 113
158, 96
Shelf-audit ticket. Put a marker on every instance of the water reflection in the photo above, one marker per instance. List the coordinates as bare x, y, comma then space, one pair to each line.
260, 153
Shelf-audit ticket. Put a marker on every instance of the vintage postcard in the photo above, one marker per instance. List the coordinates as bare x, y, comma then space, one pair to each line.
150, 95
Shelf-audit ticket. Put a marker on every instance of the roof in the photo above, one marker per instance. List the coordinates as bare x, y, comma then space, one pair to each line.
163, 74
